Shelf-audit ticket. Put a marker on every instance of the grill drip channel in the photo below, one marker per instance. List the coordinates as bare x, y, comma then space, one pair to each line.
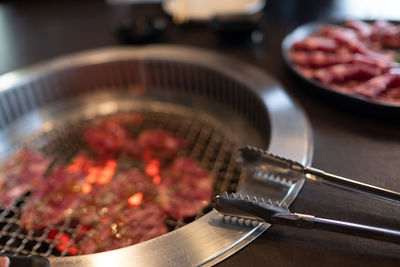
209, 143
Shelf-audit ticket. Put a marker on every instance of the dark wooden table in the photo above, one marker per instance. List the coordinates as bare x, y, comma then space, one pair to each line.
349, 140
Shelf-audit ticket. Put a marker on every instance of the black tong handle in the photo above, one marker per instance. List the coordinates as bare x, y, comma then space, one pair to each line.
352, 185
23, 261
311, 222
259, 159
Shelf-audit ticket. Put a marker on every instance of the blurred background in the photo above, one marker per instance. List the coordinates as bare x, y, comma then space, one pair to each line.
32, 30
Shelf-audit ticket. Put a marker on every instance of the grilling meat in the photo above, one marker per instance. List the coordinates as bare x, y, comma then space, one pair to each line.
110, 137
120, 195
20, 174
130, 226
106, 138
185, 188
54, 199
353, 59
109, 199
158, 144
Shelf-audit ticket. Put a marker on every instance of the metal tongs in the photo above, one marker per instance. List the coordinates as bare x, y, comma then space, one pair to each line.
288, 172
239, 206
260, 161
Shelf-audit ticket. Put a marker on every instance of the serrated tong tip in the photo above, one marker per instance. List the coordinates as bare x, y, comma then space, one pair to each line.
247, 207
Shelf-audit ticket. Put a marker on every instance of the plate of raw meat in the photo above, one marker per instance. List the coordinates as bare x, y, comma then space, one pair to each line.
356, 59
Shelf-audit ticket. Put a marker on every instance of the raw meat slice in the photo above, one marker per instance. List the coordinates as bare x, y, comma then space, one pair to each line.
346, 37
345, 72
377, 85
380, 62
363, 29
185, 188
360, 63
391, 95
348, 87
386, 34
316, 43
318, 59
349, 39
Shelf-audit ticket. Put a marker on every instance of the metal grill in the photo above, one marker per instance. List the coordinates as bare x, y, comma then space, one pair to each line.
250, 105
209, 143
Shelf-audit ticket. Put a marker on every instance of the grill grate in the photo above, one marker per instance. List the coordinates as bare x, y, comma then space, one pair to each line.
209, 143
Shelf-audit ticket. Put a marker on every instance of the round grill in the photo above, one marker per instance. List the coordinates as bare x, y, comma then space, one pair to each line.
214, 103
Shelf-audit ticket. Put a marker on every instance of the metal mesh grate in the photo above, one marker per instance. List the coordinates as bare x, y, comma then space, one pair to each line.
209, 143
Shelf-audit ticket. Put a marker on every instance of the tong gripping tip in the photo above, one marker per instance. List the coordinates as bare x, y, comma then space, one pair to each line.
247, 207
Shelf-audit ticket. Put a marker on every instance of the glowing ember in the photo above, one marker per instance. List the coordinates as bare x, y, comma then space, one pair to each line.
153, 168
156, 179
80, 163
135, 199
86, 188
107, 173
92, 176
83, 230
63, 242
102, 175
